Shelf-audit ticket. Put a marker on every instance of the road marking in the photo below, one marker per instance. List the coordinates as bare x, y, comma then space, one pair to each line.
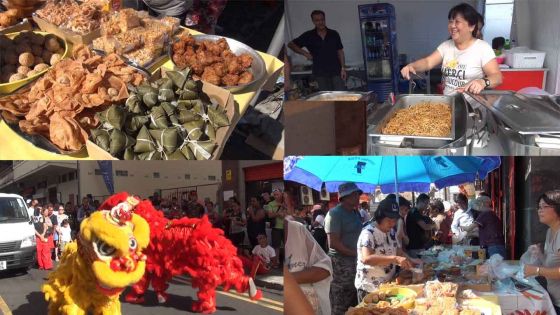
4, 307
265, 302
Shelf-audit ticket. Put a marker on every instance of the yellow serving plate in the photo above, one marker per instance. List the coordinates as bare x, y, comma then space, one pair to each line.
7, 88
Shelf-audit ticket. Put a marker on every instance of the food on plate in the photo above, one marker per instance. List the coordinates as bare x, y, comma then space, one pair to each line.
61, 105
23, 55
212, 61
135, 35
81, 18
435, 289
375, 310
423, 119
168, 119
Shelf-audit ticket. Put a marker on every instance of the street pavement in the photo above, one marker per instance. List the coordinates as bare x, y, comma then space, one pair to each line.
20, 295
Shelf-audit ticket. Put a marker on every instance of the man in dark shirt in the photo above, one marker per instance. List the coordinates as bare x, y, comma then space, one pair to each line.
419, 227
325, 49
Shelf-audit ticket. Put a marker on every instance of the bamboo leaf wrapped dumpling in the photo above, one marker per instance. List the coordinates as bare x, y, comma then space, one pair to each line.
179, 78
158, 118
194, 129
114, 116
166, 138
218, 117
202, 149
129, 154
186, 115
188, 104
134, 104
119, 142
154, 155
210, 131
144, 142
170, 110
186, 94
189, 155
101, 137
177, 155
134, 123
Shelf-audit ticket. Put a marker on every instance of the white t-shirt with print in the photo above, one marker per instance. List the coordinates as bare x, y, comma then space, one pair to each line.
302, 251
65, 234
459, 67
265, 253
368, 278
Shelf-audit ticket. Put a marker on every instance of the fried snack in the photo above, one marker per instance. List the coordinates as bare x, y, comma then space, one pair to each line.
59, 105
470, 312
28, 62
79, 18
374, 310
423, 119
436, 289
212, 61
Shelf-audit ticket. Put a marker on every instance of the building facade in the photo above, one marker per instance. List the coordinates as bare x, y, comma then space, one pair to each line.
61, 181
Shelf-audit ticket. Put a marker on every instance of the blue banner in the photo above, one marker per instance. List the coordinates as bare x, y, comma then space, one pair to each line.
106, 168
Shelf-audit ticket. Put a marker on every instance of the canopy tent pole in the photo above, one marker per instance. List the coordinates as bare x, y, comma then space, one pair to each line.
396, 181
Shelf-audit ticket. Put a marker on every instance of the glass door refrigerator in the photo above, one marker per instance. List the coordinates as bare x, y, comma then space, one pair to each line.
379, 48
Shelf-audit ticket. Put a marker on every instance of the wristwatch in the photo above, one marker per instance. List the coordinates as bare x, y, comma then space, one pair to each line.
486, 83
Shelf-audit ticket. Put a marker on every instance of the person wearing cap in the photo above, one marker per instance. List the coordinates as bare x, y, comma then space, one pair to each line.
490, 228
318, 227
343, 225
378, 251
276, 211
419, 227
404, 209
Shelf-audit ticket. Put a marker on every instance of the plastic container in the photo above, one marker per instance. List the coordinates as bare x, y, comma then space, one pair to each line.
523, 57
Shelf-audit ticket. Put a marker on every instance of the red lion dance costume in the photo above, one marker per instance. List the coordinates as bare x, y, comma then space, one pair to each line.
187, 245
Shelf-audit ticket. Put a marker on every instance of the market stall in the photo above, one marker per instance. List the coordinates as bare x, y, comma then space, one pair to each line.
167, 56
458, 280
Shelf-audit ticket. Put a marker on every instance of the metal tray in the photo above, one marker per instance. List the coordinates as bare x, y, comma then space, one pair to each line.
406, 101
524, 114
338, 96
258, 68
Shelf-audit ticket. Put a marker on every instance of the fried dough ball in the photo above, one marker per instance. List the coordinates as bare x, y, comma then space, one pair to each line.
40, 67
16, 77
37, 50
10, 58
52, 44
23, 70
32, 73
38, 61
23, 48
55, 59
37, 39
26, 59
46, 55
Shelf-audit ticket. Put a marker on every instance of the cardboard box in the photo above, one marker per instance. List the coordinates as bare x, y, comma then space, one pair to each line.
222, 96
69, 36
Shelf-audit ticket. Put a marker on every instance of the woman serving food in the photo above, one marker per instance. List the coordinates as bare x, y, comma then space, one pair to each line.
468, 63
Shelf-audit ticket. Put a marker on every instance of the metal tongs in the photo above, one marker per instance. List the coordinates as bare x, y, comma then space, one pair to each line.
412, 84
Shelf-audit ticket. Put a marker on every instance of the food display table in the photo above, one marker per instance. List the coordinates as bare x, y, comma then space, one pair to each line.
15, 147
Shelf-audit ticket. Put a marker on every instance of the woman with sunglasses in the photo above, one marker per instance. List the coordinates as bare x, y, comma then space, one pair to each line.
549, 267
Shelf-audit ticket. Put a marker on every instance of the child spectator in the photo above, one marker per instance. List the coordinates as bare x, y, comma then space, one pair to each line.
65, 236
263, 259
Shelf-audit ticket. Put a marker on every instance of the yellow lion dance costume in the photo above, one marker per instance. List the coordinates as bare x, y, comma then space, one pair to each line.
106, 257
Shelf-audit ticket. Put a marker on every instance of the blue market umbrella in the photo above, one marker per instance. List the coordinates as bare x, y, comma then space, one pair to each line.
391, 173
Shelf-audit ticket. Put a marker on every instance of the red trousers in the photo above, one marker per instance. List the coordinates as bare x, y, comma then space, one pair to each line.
257, 265
44, 253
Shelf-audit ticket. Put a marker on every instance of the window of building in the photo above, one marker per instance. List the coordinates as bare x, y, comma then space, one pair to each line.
71, 176
211, 177
187, 176
63, 178
97, 171
121, 173
156, 174
498, 15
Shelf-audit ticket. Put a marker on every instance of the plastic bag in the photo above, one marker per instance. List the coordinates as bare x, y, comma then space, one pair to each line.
533, 256
498, 269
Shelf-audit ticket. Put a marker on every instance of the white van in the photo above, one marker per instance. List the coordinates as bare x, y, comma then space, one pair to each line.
17, 234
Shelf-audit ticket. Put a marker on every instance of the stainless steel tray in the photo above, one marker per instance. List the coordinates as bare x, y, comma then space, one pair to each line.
406, 101
339, 96
258, 68
523, 114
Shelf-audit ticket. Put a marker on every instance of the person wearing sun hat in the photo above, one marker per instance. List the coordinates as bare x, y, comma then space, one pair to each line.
343, 225
378, 250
